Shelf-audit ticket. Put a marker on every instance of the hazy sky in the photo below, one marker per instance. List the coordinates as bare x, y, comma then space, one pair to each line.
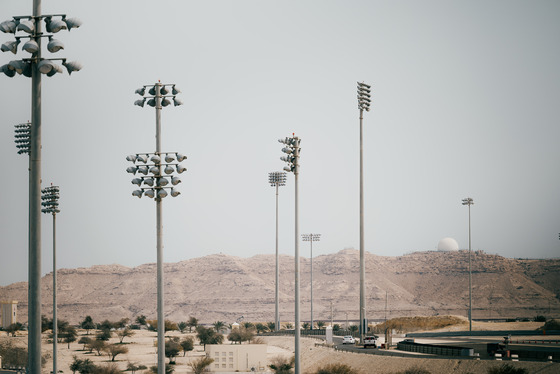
466, 102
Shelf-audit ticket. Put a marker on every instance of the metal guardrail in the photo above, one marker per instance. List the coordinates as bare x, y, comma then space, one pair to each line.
483, 333
442, 350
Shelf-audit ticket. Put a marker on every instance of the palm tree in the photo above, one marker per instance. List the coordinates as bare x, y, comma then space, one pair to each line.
320, 324
219, 326
193, 322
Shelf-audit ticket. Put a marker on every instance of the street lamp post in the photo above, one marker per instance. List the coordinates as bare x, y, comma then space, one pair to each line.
292, 151
364, 100
50, 196
277, 179
311, 238
469, 201
30, 27
158, 169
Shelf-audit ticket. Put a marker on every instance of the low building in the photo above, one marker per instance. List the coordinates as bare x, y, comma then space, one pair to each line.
8, 313
237, 357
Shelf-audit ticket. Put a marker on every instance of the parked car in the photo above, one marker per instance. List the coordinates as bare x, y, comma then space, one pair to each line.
370, 341
348, 339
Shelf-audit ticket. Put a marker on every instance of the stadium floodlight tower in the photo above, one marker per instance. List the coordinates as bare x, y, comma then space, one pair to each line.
50, 196
469, 201
364, 100
158, 169
277, 179
311, 238
23, 137
30, 28
292, 151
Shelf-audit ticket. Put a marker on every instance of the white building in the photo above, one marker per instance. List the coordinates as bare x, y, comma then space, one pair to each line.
237, 357
8, 313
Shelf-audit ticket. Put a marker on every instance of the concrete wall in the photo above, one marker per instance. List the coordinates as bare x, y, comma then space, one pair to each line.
8, 313
233, 357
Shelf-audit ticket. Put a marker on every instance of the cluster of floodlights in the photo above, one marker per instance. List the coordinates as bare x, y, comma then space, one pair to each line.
27, 24
157, 174
364, 96
50, 196
23, 137
292, 151
163, 94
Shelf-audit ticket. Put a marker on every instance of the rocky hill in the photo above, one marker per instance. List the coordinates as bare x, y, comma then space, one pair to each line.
221, 287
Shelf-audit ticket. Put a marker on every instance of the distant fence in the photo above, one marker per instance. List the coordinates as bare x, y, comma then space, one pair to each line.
482, 333
442, 350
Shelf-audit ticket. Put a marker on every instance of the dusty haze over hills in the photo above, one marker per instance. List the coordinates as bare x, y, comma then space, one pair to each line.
222, 287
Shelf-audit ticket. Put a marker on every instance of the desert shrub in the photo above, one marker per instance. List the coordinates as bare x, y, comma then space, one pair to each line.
415, 370
282, 365
169, 369
111, 368
12, 355
336, 369
408, 324
552, 324
507, 369
199, 365
539, 319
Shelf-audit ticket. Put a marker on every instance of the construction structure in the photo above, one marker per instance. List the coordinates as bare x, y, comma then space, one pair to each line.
8, 313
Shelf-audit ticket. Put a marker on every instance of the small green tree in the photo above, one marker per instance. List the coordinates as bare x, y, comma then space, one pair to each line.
187, 345
87, 324
320, 324
192, 323
305, 326
336, 327
219, 326
288, 326
98, 346
124, 333
134, 367
113, 350
208, 336
103, 335
172, 349
353, 328
199, 365
69, 335
85, 340
182, 326
261, 327
169, 369
271, 326
282, 365
141, 320
13, 328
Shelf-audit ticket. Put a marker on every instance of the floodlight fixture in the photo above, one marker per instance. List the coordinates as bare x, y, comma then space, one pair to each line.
149, 181
177, 102
50, 196
175, 181
155, 170
23, 137
72, 23
175, 90
131, 158
162, 182
54, 45
149, 193
10, 46
7, 70
156, 159
165, 102
152, 102
364, 97
163, 90
152, 91
8, 27
181, 169
140, 102
174, 192
162, 193
140, 91
169, 158
26, 26
143, 169
142, 158
180, 157
169, 169
132, 169
72, 66
31, 46
47, 67
137, 181
55, 25
137, 193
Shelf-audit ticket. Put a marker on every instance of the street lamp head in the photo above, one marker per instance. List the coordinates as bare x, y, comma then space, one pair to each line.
31, 46
468, 201
72, 66
10, 46
7, 70
72, 23
8, 27
55, 26
26, 26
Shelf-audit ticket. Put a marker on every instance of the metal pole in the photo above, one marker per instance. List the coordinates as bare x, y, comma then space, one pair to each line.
277, 310
363, 322
470, 273
311, 242
34, 292
297, 280
159, 225
55, 320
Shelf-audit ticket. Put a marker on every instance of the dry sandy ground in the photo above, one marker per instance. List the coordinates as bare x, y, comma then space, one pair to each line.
142, 350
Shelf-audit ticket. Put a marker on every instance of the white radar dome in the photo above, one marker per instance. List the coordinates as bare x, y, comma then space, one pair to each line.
448, 244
